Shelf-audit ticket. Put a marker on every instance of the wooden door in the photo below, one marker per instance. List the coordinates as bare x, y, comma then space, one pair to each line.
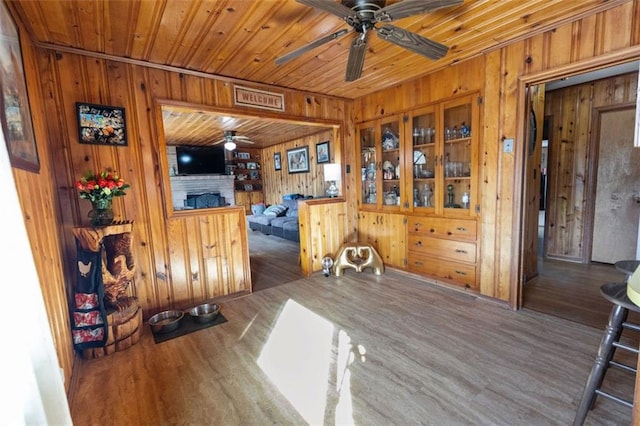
616, 214
531, 205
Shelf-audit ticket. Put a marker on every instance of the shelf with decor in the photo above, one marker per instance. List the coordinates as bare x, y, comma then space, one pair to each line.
380, 164
247, 169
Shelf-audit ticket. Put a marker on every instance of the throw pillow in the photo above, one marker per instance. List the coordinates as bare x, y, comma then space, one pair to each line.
275, 210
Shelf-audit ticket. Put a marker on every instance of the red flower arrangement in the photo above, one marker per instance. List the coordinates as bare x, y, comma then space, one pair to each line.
101, 187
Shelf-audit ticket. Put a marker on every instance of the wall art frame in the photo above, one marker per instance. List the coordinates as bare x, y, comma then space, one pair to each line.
322, 152
15, 113
277, 161
298, 160
101, 124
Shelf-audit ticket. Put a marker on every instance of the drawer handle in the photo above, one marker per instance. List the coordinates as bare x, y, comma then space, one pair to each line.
461, 229
418, 263
419, 243
461, 251
460, 272
449, 233
432, 230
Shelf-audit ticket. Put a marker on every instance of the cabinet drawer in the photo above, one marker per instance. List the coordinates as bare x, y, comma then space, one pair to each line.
456, 273
454, 250
456, 229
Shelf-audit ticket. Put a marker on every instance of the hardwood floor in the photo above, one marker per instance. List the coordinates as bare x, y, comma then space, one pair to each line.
572, 291
274, 260
356, 349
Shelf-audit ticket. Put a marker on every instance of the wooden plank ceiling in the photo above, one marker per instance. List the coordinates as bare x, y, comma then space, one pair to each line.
188, 126
240, 39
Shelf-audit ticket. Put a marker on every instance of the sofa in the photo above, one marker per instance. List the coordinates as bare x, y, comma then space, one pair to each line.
280, 220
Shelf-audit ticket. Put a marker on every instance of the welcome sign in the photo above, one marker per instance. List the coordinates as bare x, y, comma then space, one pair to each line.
255, 98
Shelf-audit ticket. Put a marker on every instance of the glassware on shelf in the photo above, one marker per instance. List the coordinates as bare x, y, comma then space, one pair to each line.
425, 195
465, 200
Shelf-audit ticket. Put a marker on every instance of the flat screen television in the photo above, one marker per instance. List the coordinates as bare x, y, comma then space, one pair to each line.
200, 160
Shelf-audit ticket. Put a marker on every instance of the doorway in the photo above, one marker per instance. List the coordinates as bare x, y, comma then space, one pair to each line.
566, 278
273, 260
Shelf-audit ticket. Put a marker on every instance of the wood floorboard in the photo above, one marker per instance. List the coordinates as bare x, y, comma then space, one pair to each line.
572, 291
274, 260
355, 349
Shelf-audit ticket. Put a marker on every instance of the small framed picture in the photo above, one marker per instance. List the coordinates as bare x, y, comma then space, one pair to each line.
254, 175
101, 125
277, 161
322, 152
252, 166
298, 160
244, 156
248, 187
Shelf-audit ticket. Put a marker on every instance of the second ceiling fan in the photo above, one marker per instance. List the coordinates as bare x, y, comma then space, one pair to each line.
230, 140
362, 16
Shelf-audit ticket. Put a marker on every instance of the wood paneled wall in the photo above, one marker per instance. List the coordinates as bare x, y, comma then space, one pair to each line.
571, 111
165, 258
280, 182
41, 212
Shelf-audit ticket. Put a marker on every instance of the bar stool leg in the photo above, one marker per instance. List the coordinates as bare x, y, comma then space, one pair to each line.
605, 354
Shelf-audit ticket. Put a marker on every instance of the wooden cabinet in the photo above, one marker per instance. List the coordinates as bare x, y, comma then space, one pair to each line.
444, 249
423, 166
386, 232
444, 158
247, 198
245, 165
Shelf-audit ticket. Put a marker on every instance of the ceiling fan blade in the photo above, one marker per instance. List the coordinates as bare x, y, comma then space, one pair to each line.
410, 8
355, 62
310, 46
413, 42
218, 142
331, 7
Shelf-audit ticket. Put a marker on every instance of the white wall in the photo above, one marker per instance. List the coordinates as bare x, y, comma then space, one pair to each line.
31, 389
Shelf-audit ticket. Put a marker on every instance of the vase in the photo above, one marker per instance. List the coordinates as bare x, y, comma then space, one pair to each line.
101, 214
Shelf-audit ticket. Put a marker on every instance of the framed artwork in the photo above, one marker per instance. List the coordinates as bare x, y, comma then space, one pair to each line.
254, 175
322, 152
244, 156
248, 187
277, 161
252, 166
15, 113
298, 160
101, 124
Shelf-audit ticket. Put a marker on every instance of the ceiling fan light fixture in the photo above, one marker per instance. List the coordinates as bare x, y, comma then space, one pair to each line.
229, 145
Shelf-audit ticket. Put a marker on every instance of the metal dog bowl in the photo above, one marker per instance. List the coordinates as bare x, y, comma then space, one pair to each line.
206, 312
165, 321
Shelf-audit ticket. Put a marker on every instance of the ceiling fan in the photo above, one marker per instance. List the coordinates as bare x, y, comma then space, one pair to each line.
362, 16
230, 139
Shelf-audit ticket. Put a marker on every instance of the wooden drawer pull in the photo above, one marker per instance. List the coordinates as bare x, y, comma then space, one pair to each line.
418, 263
461, 251
432, 230
461, 229
460, 272
419, 243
